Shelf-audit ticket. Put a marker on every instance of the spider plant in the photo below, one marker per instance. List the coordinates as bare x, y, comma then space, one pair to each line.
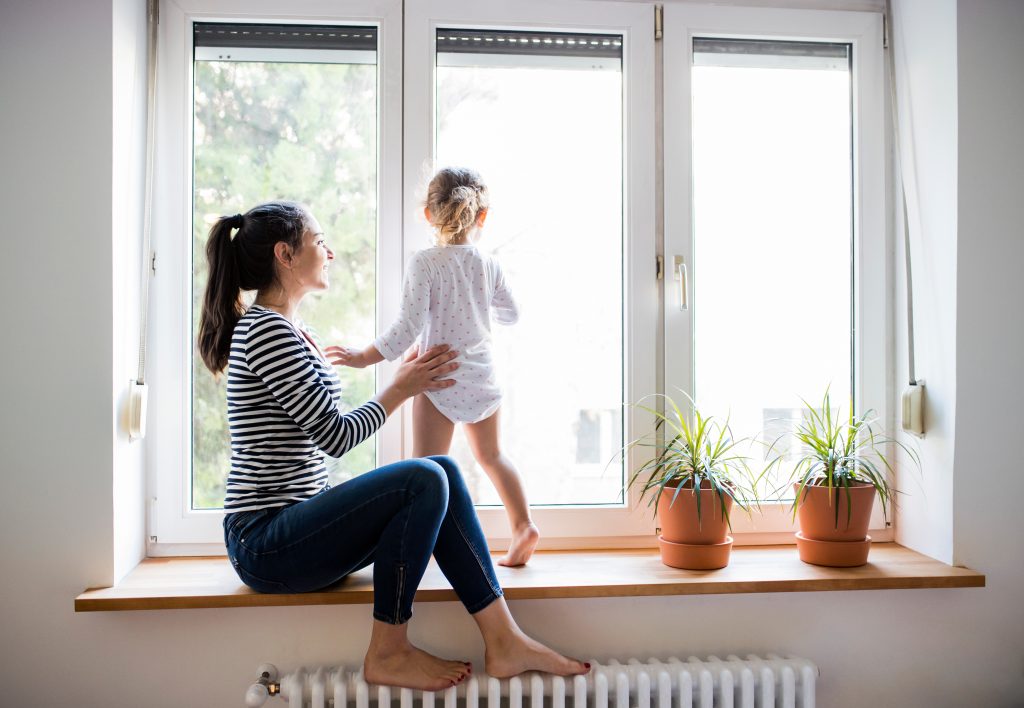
841, 453
695, 450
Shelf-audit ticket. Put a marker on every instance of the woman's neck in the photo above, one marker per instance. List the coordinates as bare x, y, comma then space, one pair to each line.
280, 301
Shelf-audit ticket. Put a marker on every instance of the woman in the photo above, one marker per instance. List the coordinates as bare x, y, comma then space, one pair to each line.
285, 529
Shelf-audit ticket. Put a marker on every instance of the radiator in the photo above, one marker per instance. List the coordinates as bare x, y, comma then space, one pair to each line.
749, 682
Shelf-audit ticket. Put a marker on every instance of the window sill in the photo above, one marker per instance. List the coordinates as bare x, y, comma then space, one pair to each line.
193, 583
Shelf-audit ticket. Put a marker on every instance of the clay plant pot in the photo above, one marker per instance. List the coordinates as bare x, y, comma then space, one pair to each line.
821, 541
692, 543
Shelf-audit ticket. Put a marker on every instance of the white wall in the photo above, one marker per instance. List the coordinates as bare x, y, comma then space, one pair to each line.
907, 648
925, 46
988, 481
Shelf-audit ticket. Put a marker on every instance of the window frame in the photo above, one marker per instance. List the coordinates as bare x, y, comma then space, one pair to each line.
872, 355
173, 527
607, 526
406, 115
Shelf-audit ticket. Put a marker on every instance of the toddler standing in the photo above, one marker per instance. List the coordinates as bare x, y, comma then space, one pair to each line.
451, 293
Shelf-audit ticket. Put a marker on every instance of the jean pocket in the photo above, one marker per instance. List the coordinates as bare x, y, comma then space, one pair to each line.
257, 583
238, 525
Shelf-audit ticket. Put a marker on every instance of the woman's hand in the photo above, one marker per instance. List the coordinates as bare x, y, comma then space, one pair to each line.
355, 358
419, 373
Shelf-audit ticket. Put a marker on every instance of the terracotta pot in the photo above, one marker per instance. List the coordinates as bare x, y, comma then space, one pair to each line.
695, 556
679, 522
834, 554
817, 512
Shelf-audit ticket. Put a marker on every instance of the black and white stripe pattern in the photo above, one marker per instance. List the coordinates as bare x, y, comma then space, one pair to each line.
283, 415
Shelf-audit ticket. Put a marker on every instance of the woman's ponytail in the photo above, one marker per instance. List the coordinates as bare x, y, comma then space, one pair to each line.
245, 262
222, 302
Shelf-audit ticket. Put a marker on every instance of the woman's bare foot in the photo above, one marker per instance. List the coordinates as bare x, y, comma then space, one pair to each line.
392, 660
414, 668
524, 541
516, 653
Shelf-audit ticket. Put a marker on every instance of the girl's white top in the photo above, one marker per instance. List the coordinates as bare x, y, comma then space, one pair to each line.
450, 295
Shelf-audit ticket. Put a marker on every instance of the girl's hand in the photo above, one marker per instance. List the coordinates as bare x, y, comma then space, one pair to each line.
425, 372
346, 356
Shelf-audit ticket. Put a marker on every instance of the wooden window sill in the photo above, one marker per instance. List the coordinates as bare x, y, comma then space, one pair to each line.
193, 583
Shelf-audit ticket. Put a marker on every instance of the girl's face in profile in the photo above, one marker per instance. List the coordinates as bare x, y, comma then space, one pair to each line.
312, 261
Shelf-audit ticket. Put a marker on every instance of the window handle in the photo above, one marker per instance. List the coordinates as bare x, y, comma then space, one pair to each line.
680, 275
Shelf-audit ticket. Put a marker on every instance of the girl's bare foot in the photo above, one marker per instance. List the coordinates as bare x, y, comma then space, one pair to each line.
524, 541
516, 653
410, 667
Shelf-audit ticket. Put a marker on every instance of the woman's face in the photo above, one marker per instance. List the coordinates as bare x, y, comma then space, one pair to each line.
311, 261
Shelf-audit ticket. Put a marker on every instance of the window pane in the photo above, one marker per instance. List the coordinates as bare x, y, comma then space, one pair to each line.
545, 131
772, 186
305, 132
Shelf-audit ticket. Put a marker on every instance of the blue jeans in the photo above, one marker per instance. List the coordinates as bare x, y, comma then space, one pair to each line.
394, 517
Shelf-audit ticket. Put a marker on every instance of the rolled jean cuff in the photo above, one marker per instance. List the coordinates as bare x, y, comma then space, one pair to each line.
481, 604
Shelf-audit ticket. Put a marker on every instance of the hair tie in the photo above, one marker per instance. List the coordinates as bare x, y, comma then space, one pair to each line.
236, 221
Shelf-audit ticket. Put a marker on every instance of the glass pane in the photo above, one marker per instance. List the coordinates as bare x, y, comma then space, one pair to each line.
772, 186
546, 134
305, 132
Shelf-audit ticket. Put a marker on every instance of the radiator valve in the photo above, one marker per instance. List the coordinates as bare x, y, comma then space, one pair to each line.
266, 685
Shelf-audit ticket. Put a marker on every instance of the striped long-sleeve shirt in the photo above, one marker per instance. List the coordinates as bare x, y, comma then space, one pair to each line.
283, 415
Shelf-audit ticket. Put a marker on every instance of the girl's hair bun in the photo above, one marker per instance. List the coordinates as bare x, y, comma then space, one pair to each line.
455, 196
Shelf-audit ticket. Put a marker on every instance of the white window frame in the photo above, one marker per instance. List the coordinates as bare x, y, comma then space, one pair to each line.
406, 132
174, 528
608, 526
871, 279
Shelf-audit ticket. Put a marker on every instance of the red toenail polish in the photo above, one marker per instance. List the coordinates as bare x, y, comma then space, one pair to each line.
587, 664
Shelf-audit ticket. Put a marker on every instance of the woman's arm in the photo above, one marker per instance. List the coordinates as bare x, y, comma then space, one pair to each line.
275, 352
418, 373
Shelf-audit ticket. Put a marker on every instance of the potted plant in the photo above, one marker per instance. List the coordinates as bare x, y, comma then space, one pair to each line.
694, 478
835, 480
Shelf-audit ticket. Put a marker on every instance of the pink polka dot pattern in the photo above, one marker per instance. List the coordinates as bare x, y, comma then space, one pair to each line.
450, 295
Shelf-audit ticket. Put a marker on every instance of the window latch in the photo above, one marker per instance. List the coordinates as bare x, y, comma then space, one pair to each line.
679, 267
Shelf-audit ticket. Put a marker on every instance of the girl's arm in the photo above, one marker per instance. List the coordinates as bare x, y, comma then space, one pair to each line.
356, 358
412, 315
503, 304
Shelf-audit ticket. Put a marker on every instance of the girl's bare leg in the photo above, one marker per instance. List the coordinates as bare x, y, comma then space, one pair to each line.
508, 651
431, 430
392, 661
484, 442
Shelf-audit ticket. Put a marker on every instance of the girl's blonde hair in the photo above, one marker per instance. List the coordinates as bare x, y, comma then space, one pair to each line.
455, 196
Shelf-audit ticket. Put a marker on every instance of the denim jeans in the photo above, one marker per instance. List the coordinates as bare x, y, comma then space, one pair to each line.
394, 517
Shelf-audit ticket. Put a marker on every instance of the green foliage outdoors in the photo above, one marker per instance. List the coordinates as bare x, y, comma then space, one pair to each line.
695, 452
303, 132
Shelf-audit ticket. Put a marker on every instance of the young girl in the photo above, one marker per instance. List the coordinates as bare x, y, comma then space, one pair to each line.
450, 295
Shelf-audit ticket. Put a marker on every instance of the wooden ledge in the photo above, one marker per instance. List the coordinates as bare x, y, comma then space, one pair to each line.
192, 583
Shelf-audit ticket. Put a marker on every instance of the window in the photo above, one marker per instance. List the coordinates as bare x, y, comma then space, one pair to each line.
773, 179
771, 131
286, 112
540, 115
310, 108
774, 204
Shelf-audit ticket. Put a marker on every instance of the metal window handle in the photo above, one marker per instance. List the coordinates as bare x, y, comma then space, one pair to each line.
680, 275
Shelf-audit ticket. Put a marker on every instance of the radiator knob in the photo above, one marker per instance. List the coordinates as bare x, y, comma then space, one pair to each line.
256, 696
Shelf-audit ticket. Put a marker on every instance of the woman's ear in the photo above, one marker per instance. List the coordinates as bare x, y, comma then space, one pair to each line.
426, 214
283, 254
481, 217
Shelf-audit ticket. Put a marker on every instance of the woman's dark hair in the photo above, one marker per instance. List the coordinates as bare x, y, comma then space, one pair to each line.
245, 262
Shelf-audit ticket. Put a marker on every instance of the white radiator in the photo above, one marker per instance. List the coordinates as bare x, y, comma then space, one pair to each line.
750, 682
